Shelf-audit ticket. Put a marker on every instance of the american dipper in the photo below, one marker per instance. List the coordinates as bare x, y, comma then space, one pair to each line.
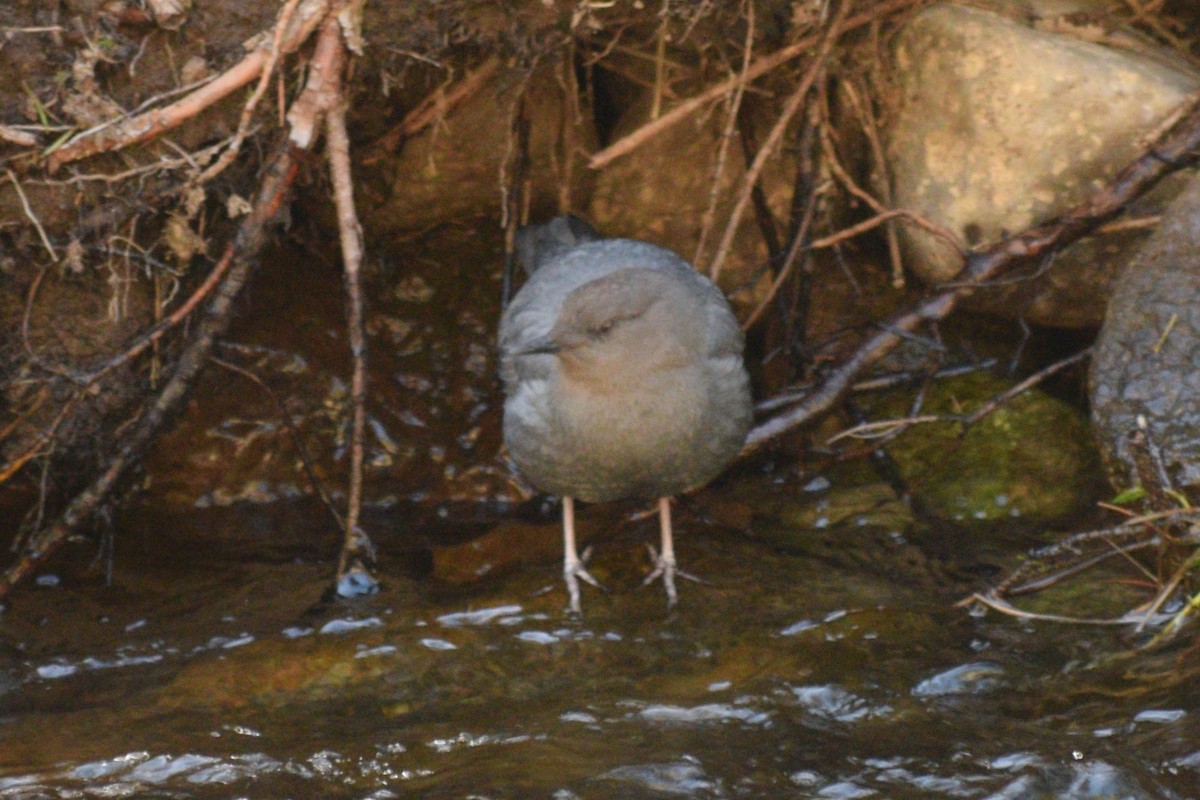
623, 374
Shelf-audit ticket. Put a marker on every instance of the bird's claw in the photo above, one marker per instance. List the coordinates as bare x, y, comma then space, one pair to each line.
665, 568
575, 571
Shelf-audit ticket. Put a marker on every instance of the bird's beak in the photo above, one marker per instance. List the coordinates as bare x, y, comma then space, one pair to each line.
539, 346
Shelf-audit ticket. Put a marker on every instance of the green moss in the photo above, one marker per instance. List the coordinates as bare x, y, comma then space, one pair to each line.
1033, 457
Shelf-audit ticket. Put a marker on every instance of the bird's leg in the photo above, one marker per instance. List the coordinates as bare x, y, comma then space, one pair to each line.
573, 568
664, 562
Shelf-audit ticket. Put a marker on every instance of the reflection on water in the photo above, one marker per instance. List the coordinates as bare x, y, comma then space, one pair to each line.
786, 675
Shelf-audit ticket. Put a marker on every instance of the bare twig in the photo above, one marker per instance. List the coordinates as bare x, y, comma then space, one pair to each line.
879, 219
858, 98
759, 68
514, 187
714, 192
264, 79
32, 216
790, 108
996, 604
357, 550
437, 105
884, 427
318, 486
1078, 552
242, 252
251, 237
1034, 379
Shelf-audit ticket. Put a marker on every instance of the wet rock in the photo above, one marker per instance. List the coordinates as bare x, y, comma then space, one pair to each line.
454, 168
1147, 358
1001, 126
974, 678
504, 548
871, 504
1030, 458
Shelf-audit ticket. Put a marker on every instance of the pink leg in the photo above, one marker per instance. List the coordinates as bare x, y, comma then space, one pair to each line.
664, 561
573, 569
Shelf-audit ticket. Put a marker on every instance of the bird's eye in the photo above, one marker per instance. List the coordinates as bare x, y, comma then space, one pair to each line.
603, 328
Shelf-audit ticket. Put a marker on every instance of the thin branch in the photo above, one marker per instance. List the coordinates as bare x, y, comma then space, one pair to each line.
357, 551
1034, 379
996, 604
318, 486
243, 251
836, 28
32, 216
264, 79
436, 105
759, 68
714, 192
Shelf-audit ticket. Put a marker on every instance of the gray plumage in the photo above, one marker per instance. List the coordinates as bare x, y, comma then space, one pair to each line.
623, 374
656, 404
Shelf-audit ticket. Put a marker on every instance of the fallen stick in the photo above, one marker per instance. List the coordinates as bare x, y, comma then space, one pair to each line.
250, 237
438, 104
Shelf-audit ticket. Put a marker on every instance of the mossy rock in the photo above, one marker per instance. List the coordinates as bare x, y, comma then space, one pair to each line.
1033, 457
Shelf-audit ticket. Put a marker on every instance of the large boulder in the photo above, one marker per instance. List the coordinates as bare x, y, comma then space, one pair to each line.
1000, 126
1147, 359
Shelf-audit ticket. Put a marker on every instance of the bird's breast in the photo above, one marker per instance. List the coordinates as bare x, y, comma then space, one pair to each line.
648, 438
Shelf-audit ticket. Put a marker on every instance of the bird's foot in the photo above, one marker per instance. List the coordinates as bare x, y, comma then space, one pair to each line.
664, 567
573, 572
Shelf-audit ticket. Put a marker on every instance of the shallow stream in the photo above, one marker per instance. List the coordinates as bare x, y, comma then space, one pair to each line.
836, 666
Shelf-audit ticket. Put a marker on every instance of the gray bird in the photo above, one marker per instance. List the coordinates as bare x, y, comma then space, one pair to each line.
623, 375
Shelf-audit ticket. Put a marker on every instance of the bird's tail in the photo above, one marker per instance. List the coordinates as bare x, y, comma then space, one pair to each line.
540, 243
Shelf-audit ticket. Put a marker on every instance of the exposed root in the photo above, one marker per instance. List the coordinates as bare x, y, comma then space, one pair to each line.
437, 105
735, 105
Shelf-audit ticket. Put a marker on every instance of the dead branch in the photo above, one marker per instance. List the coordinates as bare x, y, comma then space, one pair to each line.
130, 131
858, 99
1078, 551
997, 604
1176, 148
268, 69
250, 239
285, 419
874, 222
735, 105
1032, 380
436, 105
357, 551
37, 223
